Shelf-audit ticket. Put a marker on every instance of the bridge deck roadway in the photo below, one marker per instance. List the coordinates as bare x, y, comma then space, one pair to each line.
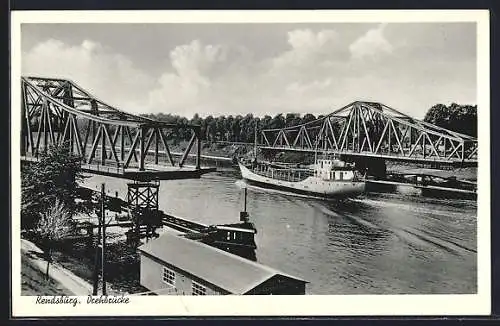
391, 157
151, 171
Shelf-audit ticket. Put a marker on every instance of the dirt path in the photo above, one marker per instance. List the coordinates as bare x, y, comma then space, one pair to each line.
34, 256
33, 281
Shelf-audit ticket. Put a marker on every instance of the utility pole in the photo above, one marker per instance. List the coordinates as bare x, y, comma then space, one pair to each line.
255, 141
103, 244
96, 260
100, 246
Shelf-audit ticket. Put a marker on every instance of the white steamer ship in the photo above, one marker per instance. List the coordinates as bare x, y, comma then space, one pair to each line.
328, 178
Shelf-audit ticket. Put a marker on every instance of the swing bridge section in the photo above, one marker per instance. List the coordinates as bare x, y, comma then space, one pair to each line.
115, 143
368, 131
109, 141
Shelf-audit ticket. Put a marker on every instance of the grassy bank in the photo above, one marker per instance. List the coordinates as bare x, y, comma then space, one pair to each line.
33, 281
213, 149
122, 264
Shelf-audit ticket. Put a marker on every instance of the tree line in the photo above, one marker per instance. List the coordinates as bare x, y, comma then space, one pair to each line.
239, 128
455, 117
232, 128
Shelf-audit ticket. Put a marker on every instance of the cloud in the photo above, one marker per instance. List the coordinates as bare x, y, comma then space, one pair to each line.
194, 65
194, 59
307, 47
109, 76
316, 72
371, 44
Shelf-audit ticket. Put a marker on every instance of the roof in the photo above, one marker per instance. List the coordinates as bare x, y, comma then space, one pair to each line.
230, 272
232, 228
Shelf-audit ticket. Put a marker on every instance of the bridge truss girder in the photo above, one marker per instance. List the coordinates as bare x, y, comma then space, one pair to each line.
373, 129
57, 111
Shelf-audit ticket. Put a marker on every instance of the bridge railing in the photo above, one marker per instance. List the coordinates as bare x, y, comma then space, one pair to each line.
391, 155
118, 169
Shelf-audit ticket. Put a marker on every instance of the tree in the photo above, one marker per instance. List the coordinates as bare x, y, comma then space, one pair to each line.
54, 224
291, 119
196, 120
459, 118
236, 128
278, 121
438, 115
308, 118
221, 127
211, 128
228, 128
266, 122
54, 177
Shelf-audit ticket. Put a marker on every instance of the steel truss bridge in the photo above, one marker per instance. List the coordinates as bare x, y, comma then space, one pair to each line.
108, 140
374, 130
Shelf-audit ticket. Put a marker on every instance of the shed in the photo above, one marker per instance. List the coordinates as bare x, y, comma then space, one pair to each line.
172, 264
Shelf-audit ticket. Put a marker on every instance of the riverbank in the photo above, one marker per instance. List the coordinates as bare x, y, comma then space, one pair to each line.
214, 149
467, 174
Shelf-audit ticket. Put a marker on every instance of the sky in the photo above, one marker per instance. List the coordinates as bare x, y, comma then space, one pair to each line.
259, 68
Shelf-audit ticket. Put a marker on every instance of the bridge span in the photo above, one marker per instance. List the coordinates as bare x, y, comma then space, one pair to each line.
108, 140
368, 130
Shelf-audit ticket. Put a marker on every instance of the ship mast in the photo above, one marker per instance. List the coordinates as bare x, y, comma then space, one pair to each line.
316, 150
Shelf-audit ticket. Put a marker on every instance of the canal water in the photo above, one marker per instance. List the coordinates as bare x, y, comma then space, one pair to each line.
379, 243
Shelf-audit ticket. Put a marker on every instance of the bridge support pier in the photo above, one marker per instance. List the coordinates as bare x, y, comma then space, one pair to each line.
375, 167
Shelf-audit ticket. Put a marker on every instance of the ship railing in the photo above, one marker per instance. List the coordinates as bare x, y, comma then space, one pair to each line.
294, 175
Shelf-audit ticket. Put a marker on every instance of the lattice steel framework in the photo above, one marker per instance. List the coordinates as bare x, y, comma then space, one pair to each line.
143, 195
374, 130
57, 111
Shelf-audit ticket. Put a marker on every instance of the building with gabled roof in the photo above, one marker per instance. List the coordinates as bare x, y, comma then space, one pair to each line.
172, 264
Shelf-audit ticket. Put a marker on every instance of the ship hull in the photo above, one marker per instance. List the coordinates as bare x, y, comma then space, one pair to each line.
311, 186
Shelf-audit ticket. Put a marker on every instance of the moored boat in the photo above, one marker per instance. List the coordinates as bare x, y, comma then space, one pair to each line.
328, 178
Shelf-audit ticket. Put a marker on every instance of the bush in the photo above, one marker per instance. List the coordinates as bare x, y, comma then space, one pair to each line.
53, 178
